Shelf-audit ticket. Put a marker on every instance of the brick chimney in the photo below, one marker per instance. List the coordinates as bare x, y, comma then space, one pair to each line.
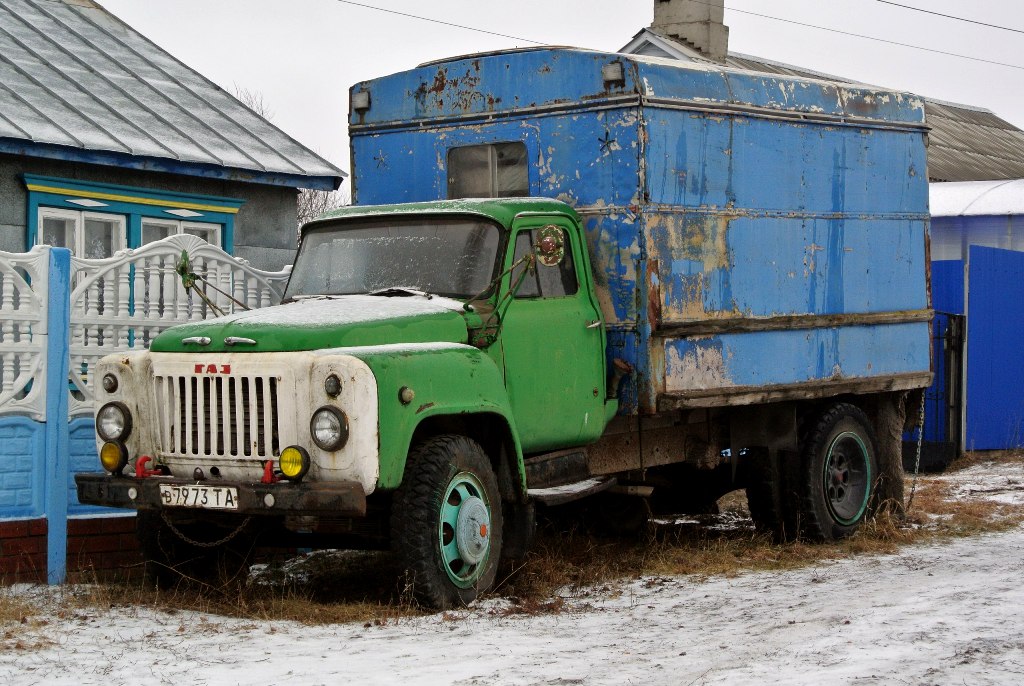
697, 23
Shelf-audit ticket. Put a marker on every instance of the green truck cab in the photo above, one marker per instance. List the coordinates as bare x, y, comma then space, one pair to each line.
419, 351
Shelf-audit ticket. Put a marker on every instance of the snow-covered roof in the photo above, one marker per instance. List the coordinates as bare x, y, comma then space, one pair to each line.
974, 198
77, 83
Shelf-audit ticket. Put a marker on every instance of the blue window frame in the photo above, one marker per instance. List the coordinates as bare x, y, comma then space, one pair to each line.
158, 212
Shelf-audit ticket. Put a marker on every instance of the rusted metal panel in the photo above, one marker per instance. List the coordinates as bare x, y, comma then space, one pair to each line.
746, 231
811, 390
696, 364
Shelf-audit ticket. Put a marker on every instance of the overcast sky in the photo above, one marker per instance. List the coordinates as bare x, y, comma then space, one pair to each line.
302, 55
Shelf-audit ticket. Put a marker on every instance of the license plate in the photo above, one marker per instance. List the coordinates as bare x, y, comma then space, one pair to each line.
203, 497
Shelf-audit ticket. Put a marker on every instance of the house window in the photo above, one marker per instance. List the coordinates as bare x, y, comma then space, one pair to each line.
158, 229
86, 234
498, 170
96, 220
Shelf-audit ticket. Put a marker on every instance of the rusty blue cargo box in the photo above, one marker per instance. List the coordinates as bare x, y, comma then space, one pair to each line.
754, 237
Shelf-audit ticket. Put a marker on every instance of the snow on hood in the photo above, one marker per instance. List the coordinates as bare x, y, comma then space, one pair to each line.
326, 322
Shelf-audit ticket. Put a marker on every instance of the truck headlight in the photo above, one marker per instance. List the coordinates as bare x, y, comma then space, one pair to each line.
113, 422
113, 457
294, 463
329, 428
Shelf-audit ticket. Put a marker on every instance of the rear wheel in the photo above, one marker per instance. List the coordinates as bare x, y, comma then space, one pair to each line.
770, 497
840, 469
446, 521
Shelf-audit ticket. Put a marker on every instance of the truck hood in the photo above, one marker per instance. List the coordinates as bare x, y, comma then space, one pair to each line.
324, 322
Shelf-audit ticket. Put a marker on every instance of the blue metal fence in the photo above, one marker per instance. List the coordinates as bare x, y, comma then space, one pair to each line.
995, 328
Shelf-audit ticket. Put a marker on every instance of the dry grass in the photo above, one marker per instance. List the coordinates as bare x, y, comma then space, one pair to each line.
572, 563
20, 623
323, 588
329, 587
985, 457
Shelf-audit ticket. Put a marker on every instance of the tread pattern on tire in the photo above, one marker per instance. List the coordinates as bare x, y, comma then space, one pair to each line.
769, 497
814, 523
430, 467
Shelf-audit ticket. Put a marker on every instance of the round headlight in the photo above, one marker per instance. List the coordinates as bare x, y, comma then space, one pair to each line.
113, 457
329, 428
109, 383
294, 463
113, 422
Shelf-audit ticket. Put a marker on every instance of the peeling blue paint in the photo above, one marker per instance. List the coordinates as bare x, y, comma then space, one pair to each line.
706, 194
800, 356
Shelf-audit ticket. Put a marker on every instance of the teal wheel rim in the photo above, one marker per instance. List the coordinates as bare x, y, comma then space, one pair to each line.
464, 530
846, 478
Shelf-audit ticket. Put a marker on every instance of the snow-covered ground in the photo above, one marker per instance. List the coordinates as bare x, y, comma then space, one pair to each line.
935, 614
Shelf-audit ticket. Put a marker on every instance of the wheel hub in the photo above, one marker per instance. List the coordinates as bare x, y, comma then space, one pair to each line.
465, 529
473, 530
847, 477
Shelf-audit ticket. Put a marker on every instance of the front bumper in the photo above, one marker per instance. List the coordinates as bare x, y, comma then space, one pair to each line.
336, 498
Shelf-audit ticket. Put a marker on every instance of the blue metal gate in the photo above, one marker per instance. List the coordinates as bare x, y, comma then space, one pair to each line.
995, 355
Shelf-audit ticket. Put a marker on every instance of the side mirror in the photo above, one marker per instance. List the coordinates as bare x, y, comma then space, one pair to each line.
550, 246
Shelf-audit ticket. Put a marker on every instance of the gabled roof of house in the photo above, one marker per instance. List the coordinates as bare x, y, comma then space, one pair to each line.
77, 83
965, 144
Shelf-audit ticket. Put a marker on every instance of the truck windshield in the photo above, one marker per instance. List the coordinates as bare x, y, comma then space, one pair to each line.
449, 256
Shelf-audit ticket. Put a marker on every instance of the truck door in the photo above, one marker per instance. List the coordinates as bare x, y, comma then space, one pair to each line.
553, 343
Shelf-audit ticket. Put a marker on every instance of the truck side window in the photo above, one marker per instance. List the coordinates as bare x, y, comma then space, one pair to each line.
497, 170
546, 282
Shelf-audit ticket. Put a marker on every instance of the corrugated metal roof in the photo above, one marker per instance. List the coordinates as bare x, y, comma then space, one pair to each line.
972, 145
76, 81
966, 143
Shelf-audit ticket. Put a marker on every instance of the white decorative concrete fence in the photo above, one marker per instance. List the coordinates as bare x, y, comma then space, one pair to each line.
123, 302
23, 303
58, 316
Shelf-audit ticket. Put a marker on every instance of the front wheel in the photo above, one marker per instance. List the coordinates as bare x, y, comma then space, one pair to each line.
840, 470
446, 521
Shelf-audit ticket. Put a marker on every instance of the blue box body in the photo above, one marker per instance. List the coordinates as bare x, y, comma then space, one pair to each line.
752, 237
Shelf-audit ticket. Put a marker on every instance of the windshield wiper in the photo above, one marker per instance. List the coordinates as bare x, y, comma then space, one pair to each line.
400, 291
309, 296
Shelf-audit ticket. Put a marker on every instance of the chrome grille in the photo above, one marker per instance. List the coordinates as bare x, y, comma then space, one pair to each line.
233, 416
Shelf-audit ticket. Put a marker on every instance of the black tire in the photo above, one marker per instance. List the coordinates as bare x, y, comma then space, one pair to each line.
446, 522
840, 470
771, 498
170, 560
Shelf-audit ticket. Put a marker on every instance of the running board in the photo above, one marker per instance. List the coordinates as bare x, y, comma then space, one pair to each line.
562, 477
557, 468
566, 493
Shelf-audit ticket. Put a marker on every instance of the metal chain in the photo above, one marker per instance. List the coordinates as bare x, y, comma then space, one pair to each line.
202, 544
917, 458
